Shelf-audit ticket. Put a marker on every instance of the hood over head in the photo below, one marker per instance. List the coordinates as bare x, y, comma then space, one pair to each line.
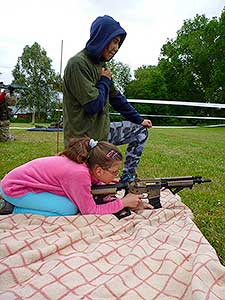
103, 30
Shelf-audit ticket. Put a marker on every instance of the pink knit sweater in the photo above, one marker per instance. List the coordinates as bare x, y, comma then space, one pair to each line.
61, 176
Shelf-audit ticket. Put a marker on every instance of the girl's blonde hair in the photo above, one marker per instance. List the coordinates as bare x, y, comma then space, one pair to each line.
81, 151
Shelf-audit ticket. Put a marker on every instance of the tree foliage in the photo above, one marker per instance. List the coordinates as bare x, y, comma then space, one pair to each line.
149, 83
193, 65
191, 68
121, 74
34, 70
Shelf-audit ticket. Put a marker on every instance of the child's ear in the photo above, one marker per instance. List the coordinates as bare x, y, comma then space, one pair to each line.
98, 170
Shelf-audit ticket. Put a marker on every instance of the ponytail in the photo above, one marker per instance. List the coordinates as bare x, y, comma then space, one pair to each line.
91, 152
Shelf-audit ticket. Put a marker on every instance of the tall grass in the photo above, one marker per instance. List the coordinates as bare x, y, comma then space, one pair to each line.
168, 152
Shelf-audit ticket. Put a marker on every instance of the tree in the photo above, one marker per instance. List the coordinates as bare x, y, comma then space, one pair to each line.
34, 70
121, 74
149, 83
216, 89
193, 64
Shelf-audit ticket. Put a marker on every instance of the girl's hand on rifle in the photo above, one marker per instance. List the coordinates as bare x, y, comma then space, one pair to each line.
143, 205
132, 200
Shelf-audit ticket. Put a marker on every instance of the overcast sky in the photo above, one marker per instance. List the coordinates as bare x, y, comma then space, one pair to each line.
148, 24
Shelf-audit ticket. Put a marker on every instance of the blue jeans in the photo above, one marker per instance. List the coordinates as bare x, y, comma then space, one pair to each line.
45, 204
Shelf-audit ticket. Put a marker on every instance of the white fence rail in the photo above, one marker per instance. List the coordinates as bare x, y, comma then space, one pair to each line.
178, 117
183, 103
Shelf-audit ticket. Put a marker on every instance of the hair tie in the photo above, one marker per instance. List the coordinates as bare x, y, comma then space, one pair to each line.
92, 143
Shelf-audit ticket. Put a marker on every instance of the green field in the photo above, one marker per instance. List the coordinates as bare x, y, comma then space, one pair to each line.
168, 152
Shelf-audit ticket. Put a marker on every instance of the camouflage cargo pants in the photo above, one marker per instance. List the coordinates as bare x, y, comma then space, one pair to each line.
134, 135
4, 131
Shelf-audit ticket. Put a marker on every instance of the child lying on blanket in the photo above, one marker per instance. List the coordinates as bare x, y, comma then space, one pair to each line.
61, 185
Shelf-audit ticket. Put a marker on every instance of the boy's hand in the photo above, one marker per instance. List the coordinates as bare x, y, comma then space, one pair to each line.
107, 73
147, 123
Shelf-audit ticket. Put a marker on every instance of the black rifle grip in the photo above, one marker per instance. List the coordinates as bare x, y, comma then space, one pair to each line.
155, 202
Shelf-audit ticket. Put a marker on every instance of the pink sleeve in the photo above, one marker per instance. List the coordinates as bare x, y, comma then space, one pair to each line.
80, 193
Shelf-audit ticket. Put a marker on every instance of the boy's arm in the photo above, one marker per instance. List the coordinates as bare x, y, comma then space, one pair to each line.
120, 104
97, 104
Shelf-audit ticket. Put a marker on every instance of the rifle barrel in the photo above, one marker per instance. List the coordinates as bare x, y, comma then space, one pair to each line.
181, 178
205, 180
13, 86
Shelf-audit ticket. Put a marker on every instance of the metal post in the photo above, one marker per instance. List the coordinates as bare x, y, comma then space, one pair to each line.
60, 72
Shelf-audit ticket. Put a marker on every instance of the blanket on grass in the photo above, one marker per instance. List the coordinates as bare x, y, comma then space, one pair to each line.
155, 254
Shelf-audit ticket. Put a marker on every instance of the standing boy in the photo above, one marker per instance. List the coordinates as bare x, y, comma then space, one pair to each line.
89, 90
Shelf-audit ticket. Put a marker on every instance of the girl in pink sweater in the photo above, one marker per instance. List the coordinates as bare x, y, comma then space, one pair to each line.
61, 185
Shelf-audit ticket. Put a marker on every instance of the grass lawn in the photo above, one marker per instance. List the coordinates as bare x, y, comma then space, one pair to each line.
168, 152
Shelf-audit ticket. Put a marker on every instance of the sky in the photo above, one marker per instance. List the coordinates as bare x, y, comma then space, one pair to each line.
148, 23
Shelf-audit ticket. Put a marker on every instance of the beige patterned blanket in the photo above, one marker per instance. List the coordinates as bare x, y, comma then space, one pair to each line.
156, 254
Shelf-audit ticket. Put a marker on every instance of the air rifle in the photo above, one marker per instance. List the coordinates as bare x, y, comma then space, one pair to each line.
12, 87
149, 186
